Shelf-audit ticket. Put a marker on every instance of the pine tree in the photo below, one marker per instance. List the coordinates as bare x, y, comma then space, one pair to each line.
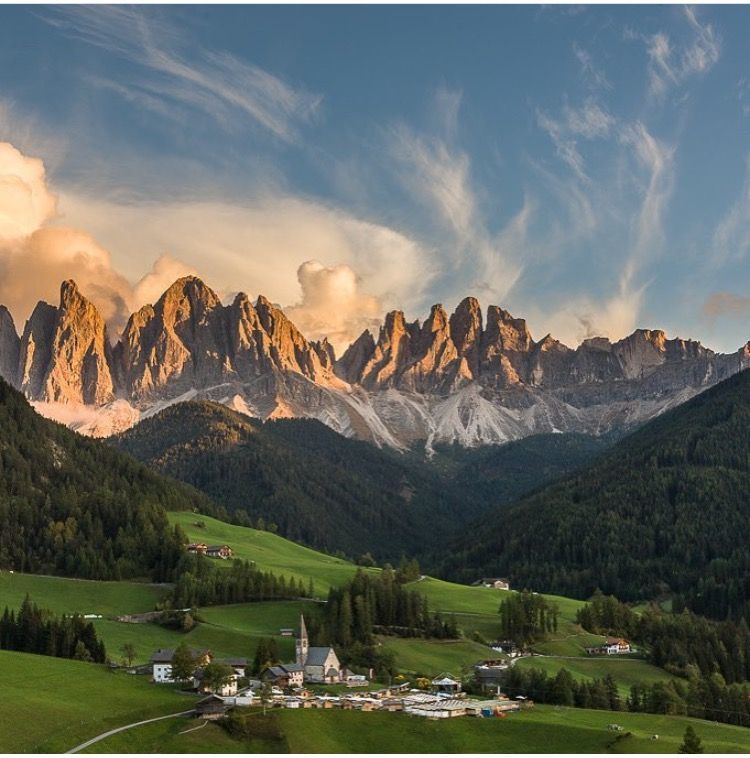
691, 742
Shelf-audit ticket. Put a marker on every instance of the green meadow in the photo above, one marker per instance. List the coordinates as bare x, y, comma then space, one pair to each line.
540, 730
63, 595
626, 671
269, 551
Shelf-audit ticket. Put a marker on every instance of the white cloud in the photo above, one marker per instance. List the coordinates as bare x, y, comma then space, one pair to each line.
177, 72
473, 258
672, 65
25, 201
36, 255
731, 238
595, 77
591, 121
333, 305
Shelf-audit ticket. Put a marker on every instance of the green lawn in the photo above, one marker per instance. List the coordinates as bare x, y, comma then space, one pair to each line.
541, 730
626, 671
78, 595
53, 704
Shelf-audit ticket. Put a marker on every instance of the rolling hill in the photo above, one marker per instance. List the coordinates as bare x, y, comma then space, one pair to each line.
663, 512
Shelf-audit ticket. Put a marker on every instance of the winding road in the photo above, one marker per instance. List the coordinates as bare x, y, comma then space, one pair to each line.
100, 737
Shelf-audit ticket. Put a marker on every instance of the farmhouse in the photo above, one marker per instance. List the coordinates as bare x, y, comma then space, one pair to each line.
219, 551
161, 662
210, 708
494, 583
285, 675
198, 548
611, 646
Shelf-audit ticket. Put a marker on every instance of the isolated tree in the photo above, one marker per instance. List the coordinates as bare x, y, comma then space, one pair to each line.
216, 675
691, 742
183, 663
128, 653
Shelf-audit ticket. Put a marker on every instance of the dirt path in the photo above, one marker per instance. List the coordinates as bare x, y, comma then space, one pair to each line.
100, 737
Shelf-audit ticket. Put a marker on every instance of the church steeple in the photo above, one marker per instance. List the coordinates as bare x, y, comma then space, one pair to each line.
302, 644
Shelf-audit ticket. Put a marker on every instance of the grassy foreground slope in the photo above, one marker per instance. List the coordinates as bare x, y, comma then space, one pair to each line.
542, 730
53, 704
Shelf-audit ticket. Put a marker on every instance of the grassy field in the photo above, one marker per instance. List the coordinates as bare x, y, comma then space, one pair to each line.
432, 657
625, 671
269, 551
225, 630
78, 595
541, 730
53, 704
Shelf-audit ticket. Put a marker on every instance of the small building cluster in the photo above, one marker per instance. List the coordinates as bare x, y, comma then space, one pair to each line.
210, 551
397, 699
161, 662
611, 646
312, 665
494, 583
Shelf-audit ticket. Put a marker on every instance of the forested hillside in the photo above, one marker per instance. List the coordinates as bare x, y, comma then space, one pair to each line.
75, 506
665, 511
334, 493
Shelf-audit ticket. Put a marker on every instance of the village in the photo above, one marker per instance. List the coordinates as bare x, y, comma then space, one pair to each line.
224, 685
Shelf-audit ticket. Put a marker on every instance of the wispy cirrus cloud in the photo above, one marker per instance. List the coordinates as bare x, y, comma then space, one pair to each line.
594, 76
590, 121
437, 174
731, 238
176, 72
671, 64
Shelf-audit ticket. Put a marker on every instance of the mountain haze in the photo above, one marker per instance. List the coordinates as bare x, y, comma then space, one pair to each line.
454, 378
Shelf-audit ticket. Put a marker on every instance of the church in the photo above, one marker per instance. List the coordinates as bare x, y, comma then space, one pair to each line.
320, 665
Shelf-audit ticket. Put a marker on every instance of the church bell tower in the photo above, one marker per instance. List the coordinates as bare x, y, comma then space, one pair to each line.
302, 644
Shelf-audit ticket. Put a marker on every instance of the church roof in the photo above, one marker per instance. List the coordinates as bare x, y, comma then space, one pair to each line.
316, 656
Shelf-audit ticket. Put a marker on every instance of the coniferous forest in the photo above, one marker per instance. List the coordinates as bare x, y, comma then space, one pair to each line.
663, 512
76, 507
34, 630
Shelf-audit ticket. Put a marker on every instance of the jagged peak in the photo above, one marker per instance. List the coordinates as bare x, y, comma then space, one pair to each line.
6, 319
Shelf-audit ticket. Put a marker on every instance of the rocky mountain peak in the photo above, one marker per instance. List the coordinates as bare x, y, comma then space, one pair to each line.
10, 345
466, 332
78, 366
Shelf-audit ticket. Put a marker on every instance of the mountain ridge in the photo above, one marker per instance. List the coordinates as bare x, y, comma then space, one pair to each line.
453, 378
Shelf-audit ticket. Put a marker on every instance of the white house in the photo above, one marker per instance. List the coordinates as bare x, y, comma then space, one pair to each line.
161, 661
611, 646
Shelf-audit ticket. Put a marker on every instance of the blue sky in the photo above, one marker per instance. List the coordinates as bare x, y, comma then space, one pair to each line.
586, 168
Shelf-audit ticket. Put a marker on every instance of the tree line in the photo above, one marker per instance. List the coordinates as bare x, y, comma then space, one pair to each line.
380, 603
682, 643
34, 630
201, 582
526, 617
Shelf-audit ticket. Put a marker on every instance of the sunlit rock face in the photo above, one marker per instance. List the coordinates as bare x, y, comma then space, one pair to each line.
461, 377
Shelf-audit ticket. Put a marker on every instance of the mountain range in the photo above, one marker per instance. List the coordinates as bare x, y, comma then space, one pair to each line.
459, 378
